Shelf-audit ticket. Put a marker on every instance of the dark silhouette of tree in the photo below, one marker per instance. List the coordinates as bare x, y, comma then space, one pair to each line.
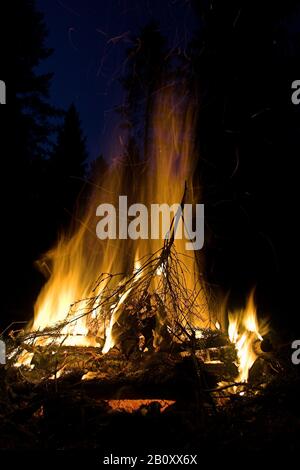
146, 66
96, 171
27, 124
67, 166
133, 171
242, 63
27, 89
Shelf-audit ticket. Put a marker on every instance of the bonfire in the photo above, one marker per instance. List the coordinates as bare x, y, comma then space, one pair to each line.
139, 312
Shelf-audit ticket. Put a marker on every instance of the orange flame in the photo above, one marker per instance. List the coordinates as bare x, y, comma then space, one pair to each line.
78, 259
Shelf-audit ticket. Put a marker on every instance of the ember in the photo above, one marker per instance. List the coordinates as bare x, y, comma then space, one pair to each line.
142, 405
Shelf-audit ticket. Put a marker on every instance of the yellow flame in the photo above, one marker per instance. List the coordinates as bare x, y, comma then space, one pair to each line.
243, 331
80, 257
24, 359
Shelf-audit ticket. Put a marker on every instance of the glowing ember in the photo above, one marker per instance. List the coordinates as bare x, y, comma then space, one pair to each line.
133, 405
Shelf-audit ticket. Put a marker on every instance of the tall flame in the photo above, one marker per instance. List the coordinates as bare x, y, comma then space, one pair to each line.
78, 259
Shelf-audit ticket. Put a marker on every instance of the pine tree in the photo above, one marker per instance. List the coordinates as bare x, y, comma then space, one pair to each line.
97, 169
25, 134
68, 166
146, 67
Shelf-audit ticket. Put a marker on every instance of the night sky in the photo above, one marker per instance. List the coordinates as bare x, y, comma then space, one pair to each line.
90, 39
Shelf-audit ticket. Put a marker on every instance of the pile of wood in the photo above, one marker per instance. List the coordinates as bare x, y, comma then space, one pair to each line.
79, 398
